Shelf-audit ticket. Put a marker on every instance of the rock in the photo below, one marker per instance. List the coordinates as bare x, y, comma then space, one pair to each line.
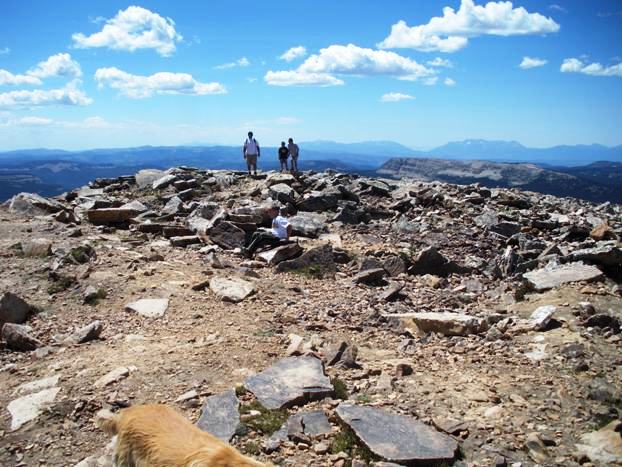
607, 255
403, 369
385, 384
145, 178
351, 215
227, 235
149, 307
183, 242
163, 182
37, 247
135, 206
280, 253
113, 376
32, 204
29, 407
394, 265
392, 293
604, 445
318, 201
173, 206
506, 229
282, 193
290, 381
369, 276
308, 423
13, 309
279, 178
402, 439
307, 224
231, 289
541, 317
220, 415
555, 275
342, 355
17, 337
446, 323
603, 232
295, 345
430, 261
317, 261
536, 448
111, 215
603, 320
87, 333
38, 385
92, 294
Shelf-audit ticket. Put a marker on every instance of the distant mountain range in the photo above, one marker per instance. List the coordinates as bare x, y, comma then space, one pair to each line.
50, 171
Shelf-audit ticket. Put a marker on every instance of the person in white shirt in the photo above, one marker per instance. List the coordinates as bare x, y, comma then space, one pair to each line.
251, 152
281, 230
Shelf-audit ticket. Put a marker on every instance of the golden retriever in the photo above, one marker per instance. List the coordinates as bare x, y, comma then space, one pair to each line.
159, 436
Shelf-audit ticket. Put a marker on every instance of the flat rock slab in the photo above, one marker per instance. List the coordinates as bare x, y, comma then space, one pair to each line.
111, 215
38, 385
113, 376
397, 438
446, 323
310, 423
220, 415
280, 253
551, 277
149, 307
37, 247
604, 445
231, 290
29, 407
290, 381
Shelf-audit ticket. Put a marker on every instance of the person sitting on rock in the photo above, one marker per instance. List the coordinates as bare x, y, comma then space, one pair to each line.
281, 230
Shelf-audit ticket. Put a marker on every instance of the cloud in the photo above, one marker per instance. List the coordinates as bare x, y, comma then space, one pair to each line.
395, 97
242, 62
440, 62
557, 7
323, 68
34, 121
69, 95
132, 29
5, 51
451, 32
56, 65
293, 53
449, 82
574, 65
8, 78
431, 81
531, 62
138, 87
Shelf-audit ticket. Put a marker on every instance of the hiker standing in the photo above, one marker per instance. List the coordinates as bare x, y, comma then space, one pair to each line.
251, 152
293, 152
283, 155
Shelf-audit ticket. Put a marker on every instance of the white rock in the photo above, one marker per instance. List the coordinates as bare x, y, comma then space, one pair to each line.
113, 376
29, 407
149, 307
38, 385
541, 316
231, 290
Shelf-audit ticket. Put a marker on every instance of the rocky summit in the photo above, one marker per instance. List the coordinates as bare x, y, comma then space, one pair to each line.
404, 323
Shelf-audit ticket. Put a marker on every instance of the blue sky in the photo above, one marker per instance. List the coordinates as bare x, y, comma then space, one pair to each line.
77, 74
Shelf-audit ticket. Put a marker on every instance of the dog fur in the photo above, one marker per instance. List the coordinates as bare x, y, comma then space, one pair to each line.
159, 436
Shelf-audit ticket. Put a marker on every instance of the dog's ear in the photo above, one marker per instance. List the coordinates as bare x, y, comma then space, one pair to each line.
107, 421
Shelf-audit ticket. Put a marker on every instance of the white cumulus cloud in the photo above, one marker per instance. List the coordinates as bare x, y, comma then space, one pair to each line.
532, 62
395, 97
293, 53
69, 95
440, 62
56, 65
328, 66
132, 29
8, 78
574, 65
449, 82
138, 87
242, 62
451, 32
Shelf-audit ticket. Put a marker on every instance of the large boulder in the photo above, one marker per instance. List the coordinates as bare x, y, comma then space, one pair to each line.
282, 193
17, 337
145, 178
220, 415
430, 261
13, 309
111, 215
317, 262
318, 201
307, 224
33, 205
227, 235
37, 247
605, 253
280, 178
446, 323
163, 182
149, 307
280, 253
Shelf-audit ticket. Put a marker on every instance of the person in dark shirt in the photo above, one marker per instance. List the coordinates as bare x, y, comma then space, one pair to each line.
283, 155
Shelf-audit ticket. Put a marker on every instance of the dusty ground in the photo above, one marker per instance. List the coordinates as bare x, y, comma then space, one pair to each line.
492, 388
